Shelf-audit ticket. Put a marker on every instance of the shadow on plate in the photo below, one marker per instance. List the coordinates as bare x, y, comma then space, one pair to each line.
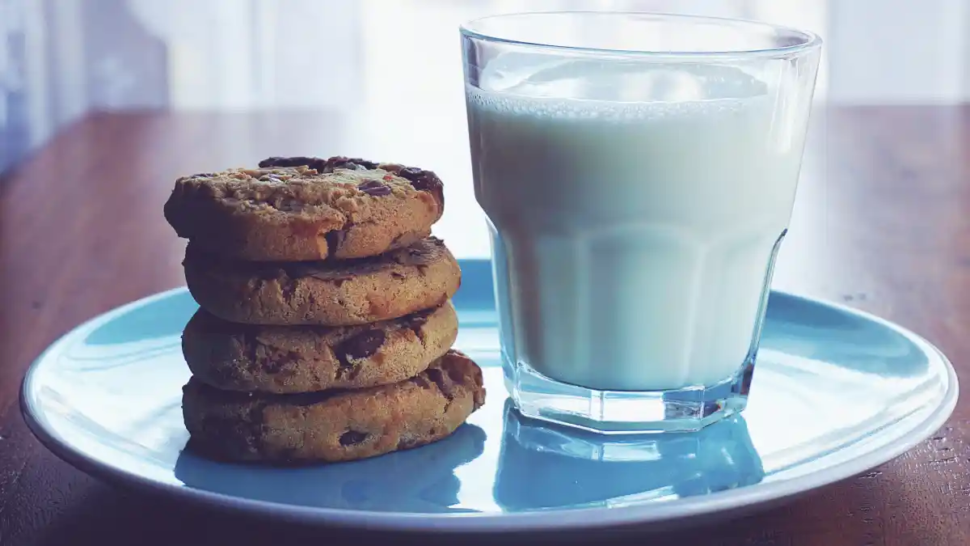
546, 466
416, 480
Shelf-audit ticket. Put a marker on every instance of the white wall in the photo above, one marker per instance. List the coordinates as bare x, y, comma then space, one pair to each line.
238, 54
899, 51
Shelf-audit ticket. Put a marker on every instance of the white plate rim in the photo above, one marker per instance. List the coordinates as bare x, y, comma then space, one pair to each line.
535, 521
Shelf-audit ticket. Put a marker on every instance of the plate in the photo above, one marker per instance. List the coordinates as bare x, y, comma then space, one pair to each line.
836, 392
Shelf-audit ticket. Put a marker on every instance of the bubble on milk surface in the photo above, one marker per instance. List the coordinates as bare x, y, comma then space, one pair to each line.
616, 91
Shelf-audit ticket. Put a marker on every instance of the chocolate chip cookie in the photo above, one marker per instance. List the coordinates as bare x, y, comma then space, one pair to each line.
306, 208
329, 293
333, 425
290, 359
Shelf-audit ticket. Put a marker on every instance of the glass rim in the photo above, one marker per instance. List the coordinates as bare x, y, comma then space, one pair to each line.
807, 40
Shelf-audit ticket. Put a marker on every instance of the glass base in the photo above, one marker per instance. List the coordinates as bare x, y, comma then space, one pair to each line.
626, 412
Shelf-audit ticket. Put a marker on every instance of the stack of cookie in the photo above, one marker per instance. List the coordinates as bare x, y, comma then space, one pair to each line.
325, 324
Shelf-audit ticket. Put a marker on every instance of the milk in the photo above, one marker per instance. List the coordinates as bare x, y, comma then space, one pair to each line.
633, 226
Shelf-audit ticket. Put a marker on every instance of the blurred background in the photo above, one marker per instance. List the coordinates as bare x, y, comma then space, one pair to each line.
391, 70
60, 59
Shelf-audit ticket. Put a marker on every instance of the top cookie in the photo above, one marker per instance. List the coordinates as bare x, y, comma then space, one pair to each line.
306, 208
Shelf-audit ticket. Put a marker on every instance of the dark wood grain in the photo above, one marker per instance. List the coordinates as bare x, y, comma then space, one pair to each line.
883, 224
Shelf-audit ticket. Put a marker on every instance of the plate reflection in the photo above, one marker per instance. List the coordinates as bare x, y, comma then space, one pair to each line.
545, 466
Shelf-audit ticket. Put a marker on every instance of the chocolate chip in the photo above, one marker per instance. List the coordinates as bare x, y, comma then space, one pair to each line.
416, 328
277, 362
358, 347
415, 321
438, 378
455, 374
421, 381
423, 180
365, 163
334, 239
312, 162
288, 287
375, 188
363, 344
354, 163
274, 366
353, 437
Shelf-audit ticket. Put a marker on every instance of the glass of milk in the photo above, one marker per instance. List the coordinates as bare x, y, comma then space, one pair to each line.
638, 172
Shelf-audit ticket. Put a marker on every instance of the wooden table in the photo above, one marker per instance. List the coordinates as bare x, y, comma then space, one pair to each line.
883, 223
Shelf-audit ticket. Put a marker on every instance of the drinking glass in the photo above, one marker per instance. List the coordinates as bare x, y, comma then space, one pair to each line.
638, 172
